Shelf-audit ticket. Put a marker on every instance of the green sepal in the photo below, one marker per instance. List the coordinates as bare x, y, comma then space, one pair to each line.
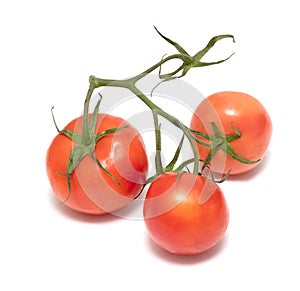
169, 76
232, 137
201, 134
219, 141
205, 64
212, 177
189, 61
197, 140
185, 164
77, 138
151, 179
199, 55
217, 132
210, 155
178, 176
236, 130
109, 131
103, 169
228, 150
53, 118
175, 44
224, 178
93, 121
81, 150
76, 155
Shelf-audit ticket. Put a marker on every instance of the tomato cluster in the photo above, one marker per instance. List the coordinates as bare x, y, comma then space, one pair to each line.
184, 213
98, 163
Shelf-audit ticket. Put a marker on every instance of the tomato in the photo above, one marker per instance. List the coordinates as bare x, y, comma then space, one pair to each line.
92, 190
234, 112
185, 214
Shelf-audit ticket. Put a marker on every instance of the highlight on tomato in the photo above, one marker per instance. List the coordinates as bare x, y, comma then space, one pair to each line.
101, 172
233, 131
185, 213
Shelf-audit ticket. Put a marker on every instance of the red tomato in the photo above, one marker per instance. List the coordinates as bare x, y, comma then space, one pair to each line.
92, 190
185, 214
229, 110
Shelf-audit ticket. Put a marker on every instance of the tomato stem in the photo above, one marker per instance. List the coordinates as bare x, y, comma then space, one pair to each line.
158, 162
86, 136
188, 62
171, 119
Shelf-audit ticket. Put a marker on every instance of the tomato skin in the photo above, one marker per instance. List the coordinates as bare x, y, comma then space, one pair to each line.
92, 190
248, 115
185, 215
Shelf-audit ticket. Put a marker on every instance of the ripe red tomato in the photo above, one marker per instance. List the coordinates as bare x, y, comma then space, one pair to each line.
231, 111
185, 214
92, 190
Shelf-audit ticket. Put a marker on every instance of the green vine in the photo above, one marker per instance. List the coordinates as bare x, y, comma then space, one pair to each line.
86, 142
188, 62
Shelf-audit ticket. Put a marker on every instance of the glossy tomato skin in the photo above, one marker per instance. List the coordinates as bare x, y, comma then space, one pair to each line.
246, 114
92, 190
185, 215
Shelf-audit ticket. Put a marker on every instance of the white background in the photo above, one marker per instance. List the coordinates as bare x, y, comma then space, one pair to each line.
48, 49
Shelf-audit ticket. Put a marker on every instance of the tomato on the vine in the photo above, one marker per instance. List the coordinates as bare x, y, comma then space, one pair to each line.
244, 128
92, 188
185, 213
98, 164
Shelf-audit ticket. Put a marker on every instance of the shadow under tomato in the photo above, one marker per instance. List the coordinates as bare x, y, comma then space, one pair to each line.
186, 259
82, 217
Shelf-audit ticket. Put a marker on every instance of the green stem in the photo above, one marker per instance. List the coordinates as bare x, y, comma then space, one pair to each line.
173, 120
85, 143
184, 58
130, 84
86, 137
158, 162
188, 62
